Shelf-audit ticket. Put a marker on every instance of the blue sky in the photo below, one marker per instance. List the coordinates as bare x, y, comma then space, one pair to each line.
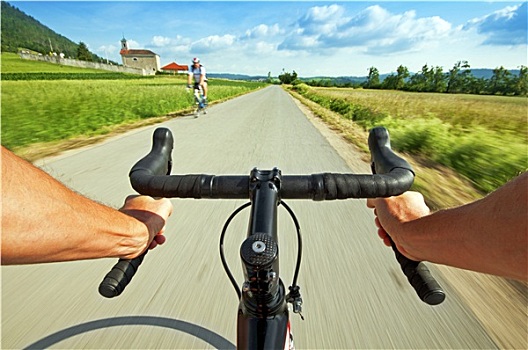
312, 38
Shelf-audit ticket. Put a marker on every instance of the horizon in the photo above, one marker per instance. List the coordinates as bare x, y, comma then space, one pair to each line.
323, 38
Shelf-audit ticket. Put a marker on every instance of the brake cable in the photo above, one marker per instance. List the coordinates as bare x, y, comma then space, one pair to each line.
294, 296
222, 256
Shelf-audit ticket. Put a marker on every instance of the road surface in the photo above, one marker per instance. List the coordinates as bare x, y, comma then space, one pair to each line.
354, 294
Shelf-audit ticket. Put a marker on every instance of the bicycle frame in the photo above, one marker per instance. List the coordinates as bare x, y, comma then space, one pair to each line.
198, 94
199, 99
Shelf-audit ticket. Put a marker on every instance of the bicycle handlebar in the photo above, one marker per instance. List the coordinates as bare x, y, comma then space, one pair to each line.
393, 176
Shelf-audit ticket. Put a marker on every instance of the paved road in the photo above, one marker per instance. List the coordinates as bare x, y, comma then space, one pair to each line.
354, 295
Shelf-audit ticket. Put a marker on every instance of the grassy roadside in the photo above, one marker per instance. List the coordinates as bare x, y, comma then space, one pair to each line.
440, 185
38, 150
37, 112
482, 138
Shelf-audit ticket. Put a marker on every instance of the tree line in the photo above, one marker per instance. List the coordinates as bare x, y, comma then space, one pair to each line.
457, 80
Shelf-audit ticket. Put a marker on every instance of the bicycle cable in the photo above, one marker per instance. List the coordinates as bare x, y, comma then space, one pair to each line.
222, 256
299, 246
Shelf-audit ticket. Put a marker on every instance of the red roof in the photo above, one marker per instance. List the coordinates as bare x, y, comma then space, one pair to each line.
136, 52
175, 66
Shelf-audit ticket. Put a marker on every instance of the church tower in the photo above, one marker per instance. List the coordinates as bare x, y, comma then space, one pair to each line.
124, 44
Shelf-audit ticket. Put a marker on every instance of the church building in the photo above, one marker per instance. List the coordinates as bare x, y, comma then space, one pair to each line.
142, 59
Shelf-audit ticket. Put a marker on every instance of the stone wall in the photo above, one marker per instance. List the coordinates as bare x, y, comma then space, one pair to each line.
82, 64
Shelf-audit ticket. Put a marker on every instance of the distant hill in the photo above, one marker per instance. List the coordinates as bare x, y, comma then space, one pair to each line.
488, 73
20, 31
337, 80
231, 76
484, 73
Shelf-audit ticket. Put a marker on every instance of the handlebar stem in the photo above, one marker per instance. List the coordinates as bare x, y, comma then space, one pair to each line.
263, 291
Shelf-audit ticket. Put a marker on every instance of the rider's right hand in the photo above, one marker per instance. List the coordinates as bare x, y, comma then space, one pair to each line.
392, 215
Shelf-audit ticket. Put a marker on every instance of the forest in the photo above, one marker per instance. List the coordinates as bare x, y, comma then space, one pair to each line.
20, 31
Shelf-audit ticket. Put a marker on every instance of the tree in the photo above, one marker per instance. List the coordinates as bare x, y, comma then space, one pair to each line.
428, 80
459, 78
500, 82
373, 80
83, 53
521, 82
403, 73
439, 83
287, 78
396, 81
418, 81
390, 82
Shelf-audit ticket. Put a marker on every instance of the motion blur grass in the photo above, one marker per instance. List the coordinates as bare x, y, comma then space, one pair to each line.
40, 111
483, 138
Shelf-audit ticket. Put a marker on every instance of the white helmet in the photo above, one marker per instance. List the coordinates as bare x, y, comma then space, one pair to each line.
195, 60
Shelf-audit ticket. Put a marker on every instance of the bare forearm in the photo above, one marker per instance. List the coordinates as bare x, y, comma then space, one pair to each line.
44, 221
489, 235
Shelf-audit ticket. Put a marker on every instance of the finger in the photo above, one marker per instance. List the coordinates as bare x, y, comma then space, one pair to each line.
160, 239
387, 241
153, 244
371, 202
378, 223
382, 234
130, 197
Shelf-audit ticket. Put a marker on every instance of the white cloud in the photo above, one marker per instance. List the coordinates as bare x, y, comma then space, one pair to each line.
108, 50
213, 43
132, 44
333, 40
323, 19
263, 31
506, 27
373, 30
263, 48
161, 41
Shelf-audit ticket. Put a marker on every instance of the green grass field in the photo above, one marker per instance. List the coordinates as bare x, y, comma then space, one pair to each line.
40, 111
483, 138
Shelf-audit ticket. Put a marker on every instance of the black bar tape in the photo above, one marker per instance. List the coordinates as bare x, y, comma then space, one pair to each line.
343, 186
120, 276
181, 186
420, 278
190, 186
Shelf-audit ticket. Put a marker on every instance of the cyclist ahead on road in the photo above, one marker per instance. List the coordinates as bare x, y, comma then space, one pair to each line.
197, 72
